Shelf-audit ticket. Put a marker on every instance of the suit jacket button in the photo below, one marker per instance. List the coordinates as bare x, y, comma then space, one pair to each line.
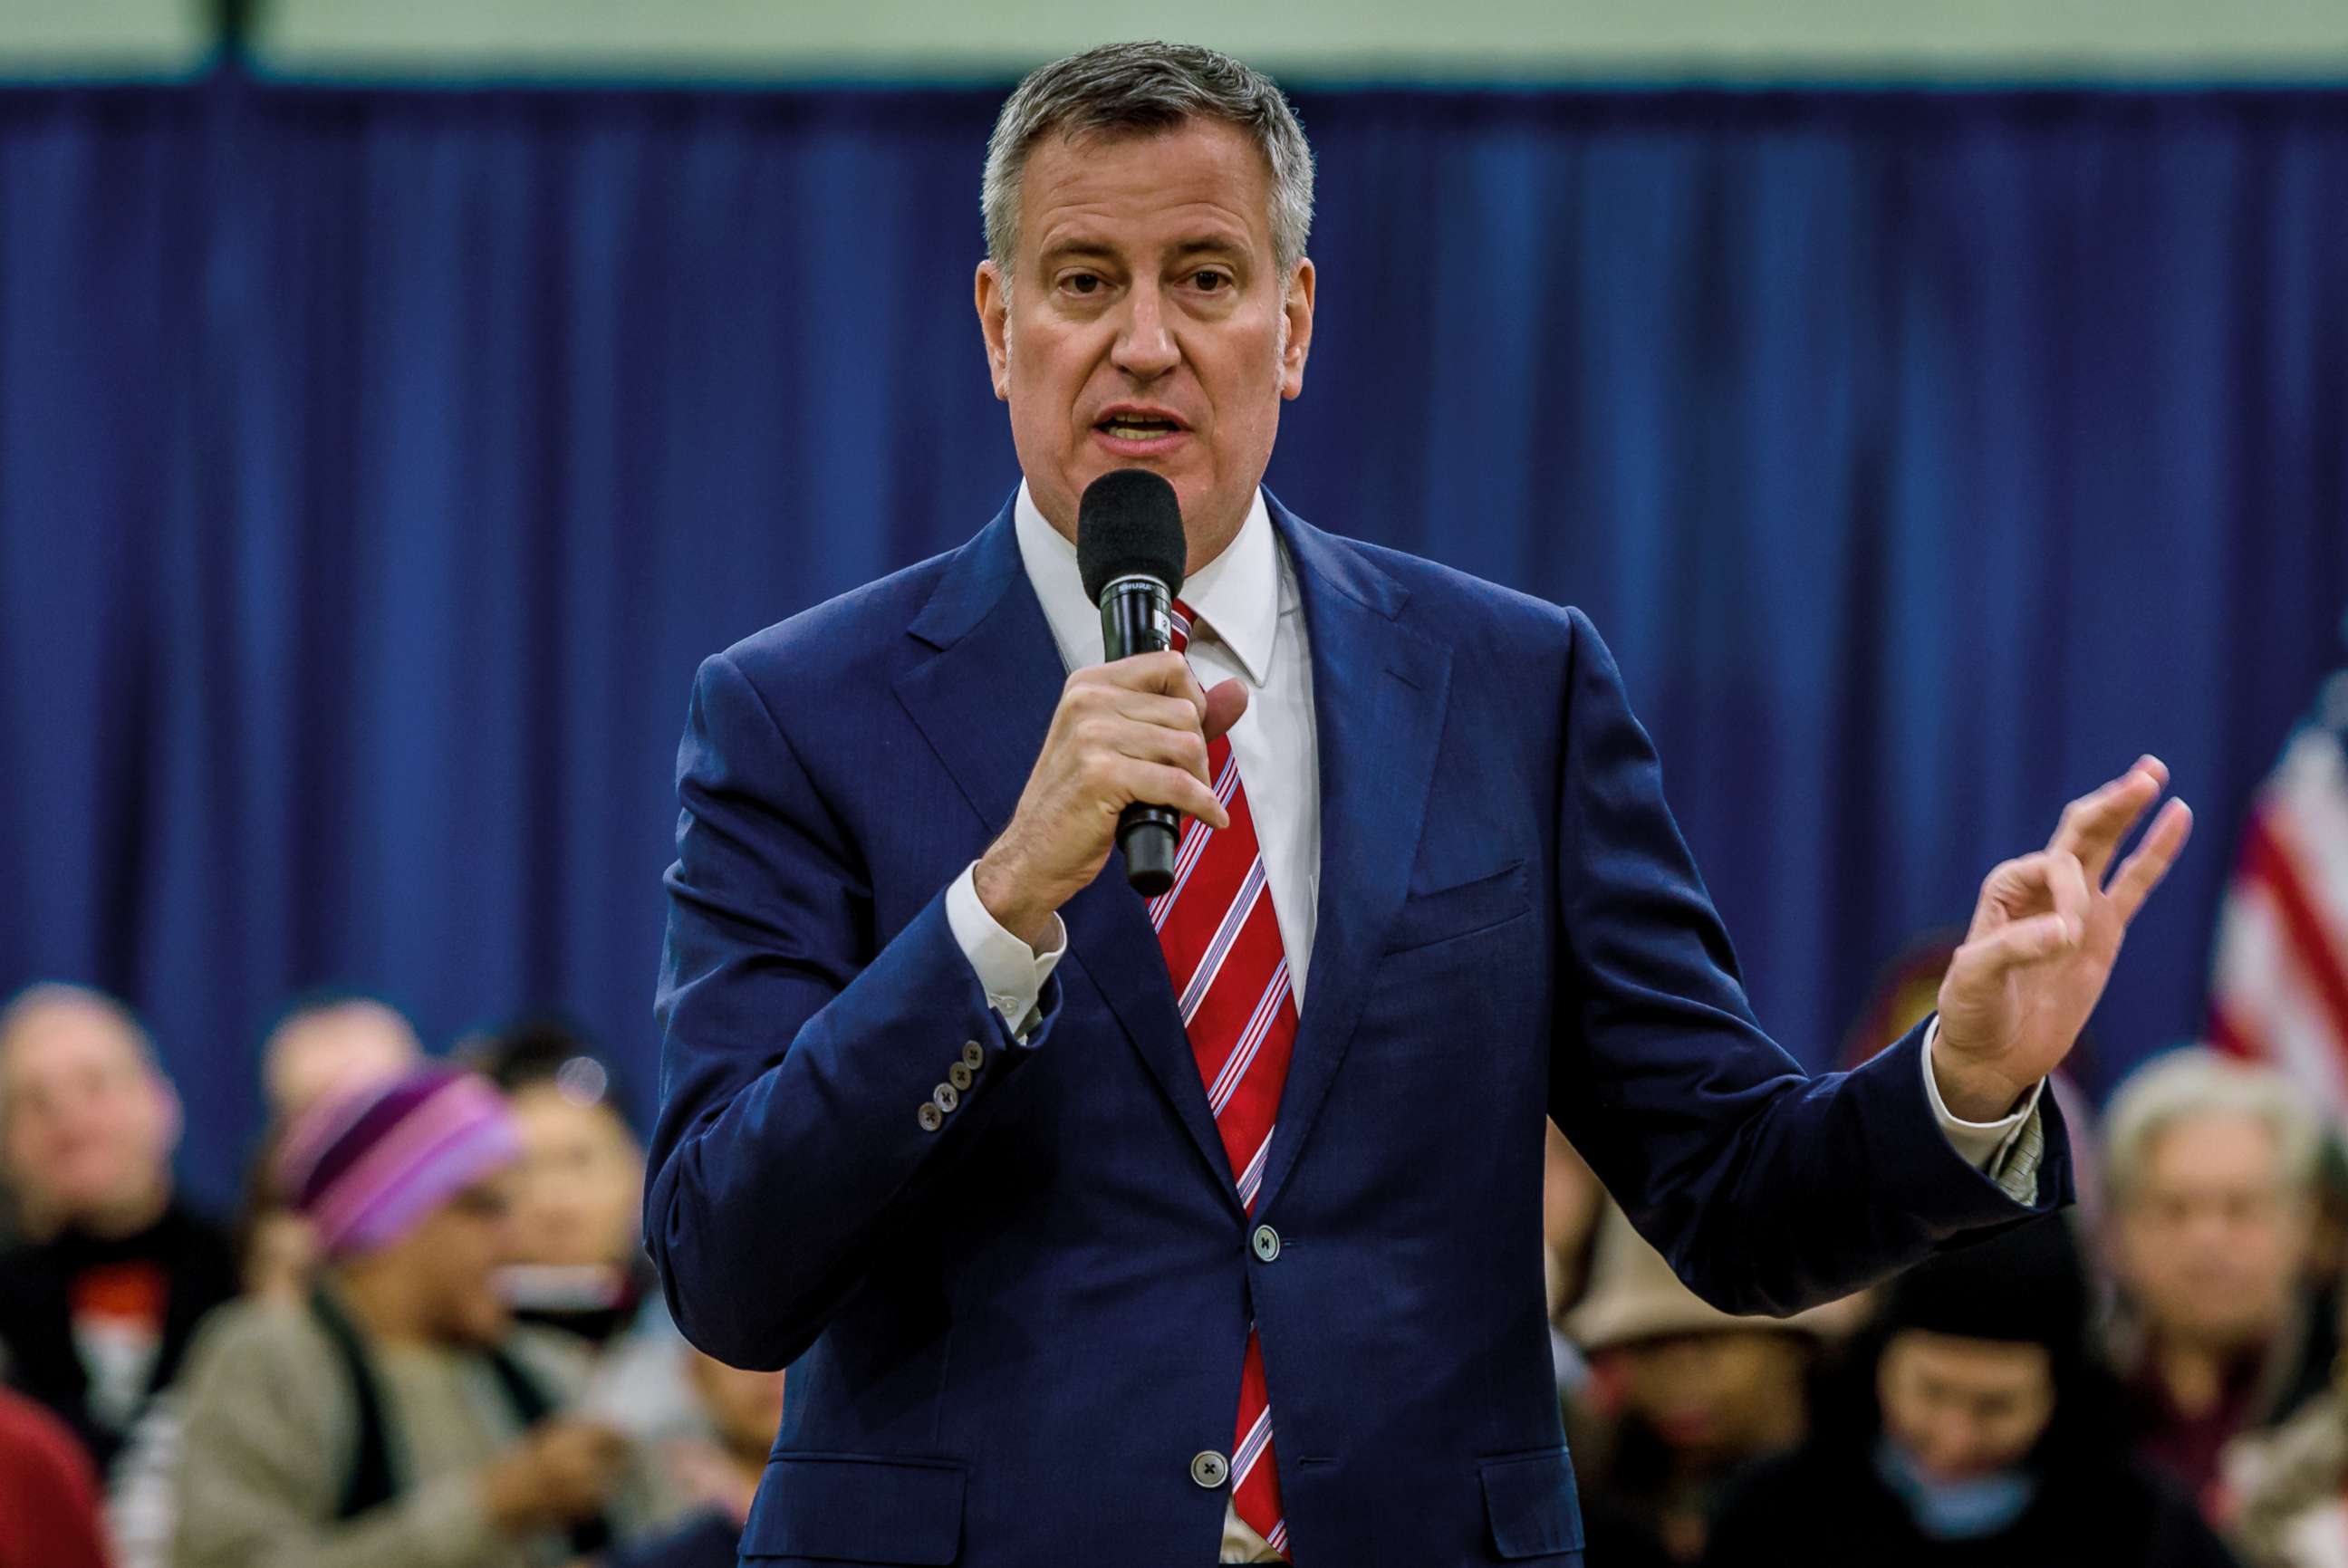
930, 1116
1208, 1468
1267, 1243
960, 1077
973, 1054
945, 1096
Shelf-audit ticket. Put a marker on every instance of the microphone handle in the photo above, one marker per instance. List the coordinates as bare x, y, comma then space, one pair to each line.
1137, 618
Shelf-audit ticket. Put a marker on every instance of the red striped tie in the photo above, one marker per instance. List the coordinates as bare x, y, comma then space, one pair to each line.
1230, 979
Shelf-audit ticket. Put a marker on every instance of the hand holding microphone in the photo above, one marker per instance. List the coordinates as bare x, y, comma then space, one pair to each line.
1129, 733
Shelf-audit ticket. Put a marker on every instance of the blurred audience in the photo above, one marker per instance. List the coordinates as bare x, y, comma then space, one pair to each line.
1572, 1204
1681, 1396
578, 1195
97, 1310
332, 1042
718, 1475
2209, 1167
2288, 1490
397, 1416
48, 1493
1976, 1430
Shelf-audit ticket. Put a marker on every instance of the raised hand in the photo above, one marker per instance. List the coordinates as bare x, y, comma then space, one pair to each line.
2044, 939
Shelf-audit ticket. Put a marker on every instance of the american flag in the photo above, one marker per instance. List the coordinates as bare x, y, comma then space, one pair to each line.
2278, 992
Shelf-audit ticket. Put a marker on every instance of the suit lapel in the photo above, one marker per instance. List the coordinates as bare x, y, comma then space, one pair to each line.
1378, 697
984, 702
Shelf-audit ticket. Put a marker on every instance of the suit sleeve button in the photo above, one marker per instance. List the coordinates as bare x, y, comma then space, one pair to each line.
973, 1054
945, 1096
930, 1116
960, 1077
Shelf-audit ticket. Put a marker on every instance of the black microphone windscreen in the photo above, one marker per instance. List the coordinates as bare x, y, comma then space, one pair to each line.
1129, 521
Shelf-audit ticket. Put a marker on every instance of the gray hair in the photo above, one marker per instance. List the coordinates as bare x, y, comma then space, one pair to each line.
2196, 1083
1138, 89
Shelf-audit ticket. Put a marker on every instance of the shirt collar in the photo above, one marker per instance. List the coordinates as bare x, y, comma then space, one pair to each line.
1237, 593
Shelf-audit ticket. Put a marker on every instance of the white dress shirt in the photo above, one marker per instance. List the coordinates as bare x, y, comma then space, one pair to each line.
1247, 622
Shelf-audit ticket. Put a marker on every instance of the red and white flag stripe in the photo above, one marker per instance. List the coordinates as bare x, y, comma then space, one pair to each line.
2278, 992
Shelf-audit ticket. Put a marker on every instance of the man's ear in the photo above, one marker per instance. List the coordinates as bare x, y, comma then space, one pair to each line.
1298, 341
993, 299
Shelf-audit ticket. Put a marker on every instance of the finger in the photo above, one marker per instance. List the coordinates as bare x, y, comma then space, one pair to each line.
1183, 749
2018, 888
2142, 871
1168, 673
1156, 708
2093, 826
2067, 886
1156, 784
1224, 706
2025, 942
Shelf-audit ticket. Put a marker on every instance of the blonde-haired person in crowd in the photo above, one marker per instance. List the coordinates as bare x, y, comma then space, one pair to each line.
2209, 1167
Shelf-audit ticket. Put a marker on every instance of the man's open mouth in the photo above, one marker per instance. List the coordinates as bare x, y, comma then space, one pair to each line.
1130, 427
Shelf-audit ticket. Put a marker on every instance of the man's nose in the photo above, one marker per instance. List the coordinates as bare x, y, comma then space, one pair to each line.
1145, 347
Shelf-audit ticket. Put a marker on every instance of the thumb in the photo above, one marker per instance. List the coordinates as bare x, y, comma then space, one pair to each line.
1225, 703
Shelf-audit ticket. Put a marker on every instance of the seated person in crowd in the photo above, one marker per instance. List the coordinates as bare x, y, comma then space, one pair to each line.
718, 1476
1976, 1431
397, 1416
578, 1262
48, 1493
329, 1042
1681, 1398
2287, 1490
97, 1312
2209, 1170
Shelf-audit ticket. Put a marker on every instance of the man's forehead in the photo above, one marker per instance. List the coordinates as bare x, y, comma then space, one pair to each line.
1202, 181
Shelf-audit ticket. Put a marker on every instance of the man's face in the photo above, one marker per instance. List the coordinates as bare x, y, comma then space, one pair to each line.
1147, 323
2212, 1241
1964, 1408
88, 1125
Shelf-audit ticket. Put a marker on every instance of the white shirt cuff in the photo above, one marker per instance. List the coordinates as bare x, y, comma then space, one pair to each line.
1010, 972
1981, 1144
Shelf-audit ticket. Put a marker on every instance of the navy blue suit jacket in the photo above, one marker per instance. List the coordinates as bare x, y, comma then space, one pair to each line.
1008, 1336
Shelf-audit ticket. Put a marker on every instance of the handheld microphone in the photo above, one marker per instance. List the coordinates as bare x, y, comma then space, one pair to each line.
1130, 551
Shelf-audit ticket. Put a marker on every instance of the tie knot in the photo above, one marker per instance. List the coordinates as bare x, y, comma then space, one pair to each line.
1182, 619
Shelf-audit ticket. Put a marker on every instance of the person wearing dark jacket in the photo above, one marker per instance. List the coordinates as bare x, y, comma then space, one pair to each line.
1978, 1432
97, 1310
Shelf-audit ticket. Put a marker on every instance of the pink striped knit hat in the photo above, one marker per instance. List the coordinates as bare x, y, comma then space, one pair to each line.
366, 1167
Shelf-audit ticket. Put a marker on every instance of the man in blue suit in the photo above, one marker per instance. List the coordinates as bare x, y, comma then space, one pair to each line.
1206, 1228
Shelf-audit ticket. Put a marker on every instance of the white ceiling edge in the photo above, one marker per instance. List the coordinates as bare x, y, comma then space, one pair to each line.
1328, 40
65, 38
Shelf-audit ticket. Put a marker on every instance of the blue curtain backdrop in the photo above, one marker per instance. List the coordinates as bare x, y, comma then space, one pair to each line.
376, 466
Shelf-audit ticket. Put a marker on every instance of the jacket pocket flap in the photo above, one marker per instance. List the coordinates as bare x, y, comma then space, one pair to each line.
856, 1508
1530, 1500
1428, 918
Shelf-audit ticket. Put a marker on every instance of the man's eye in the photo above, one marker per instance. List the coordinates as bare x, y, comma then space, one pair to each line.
1210, 282
1081, 283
